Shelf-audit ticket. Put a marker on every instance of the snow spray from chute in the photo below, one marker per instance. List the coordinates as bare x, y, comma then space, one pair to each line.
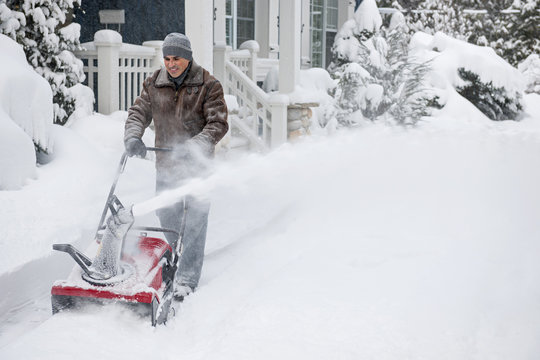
196, 187
232, 175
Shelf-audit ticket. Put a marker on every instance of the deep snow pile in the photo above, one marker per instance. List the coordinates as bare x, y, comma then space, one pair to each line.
26, 114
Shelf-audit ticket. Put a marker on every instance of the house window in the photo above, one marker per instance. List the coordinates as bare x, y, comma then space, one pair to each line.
239, 21
324, 19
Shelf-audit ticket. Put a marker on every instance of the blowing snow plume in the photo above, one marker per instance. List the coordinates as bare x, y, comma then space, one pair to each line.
235, 174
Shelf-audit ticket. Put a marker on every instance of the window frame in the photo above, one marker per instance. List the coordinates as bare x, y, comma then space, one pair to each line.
231, 32
320, 54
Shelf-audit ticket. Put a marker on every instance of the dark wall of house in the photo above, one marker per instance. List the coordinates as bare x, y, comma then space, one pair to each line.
144, 20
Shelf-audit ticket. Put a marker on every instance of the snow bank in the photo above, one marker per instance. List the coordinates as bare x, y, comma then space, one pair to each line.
17, 155
25, 101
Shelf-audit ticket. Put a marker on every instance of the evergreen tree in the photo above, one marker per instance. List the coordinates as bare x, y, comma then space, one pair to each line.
488, 23
524, 32
432, 16
48, 37
377, 78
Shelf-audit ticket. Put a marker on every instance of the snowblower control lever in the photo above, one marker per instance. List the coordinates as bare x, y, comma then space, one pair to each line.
81, 259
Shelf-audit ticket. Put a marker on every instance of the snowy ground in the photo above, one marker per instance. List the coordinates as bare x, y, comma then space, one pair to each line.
379, 243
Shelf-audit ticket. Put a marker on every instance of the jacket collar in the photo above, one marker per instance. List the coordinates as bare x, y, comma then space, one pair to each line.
193, 78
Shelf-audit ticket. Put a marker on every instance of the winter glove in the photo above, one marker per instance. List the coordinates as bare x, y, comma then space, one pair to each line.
135, 147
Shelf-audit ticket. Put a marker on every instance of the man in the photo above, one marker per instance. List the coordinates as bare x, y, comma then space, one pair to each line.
190, 117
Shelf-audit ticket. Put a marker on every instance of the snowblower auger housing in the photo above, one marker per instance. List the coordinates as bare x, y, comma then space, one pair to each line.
142, 277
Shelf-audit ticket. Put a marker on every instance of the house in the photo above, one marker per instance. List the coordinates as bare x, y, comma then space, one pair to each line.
289, 34
232, 22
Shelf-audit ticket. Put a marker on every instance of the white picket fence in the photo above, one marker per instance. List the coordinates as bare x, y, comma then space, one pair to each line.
115, 71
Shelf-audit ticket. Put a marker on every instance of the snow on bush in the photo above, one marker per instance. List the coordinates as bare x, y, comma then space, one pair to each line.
84, 102
480, 60
26, 115
493, 85
530, 68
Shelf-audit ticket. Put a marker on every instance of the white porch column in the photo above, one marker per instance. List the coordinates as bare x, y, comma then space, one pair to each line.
219, 22
220, 56
262, 28
220, 41
199, 16
266, 27
289, 47
273, 30
108, 43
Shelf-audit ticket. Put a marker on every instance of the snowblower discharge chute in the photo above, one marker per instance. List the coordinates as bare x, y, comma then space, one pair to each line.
142, 277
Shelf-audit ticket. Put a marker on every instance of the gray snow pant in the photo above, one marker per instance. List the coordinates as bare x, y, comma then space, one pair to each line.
194, 239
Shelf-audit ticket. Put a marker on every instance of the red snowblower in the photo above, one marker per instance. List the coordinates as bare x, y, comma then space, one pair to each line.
140, 274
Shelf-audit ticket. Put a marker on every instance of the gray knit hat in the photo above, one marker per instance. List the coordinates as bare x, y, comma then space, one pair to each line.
176, 44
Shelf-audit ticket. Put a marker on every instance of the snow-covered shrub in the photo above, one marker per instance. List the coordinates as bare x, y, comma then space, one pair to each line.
530, 68
26, 115
495, 102
48, 38
377, 79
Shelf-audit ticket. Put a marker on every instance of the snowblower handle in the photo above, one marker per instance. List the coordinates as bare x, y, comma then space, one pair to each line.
119, 171
156, 149
81, 259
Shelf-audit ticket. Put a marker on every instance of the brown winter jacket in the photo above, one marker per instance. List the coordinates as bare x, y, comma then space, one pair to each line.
194, 118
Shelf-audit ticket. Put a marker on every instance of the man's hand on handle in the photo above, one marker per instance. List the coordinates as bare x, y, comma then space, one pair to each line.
135, 147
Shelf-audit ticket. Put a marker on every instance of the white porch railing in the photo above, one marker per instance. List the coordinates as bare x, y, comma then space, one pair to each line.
115, 71
246, 59
262, 118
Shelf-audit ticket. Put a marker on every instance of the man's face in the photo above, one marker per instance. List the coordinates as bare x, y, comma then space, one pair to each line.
175, 65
